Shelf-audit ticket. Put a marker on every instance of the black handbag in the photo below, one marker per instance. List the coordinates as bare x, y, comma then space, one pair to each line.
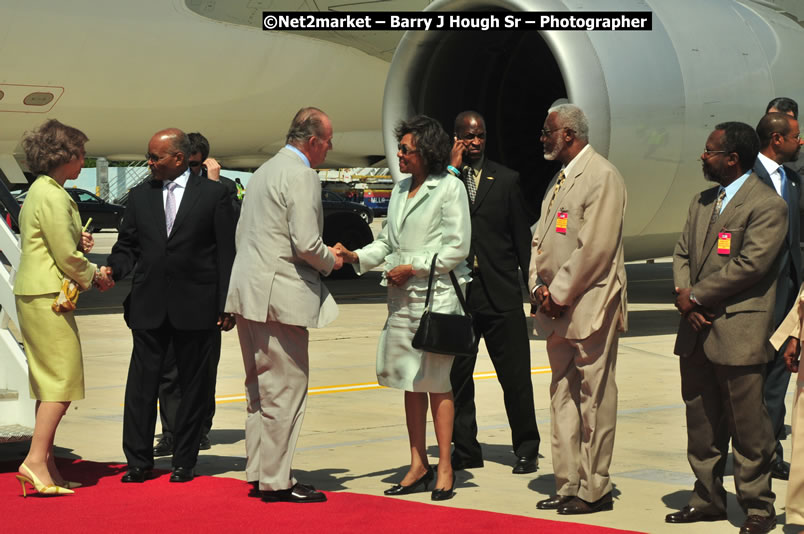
444, 333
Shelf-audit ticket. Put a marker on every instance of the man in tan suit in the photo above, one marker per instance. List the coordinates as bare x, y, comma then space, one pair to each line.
577, 280
725, 267
276, 294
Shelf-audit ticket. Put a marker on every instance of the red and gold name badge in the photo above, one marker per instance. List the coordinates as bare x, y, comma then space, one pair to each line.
724, 243
561, 222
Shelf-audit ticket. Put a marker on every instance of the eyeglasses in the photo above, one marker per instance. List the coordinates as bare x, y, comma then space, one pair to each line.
546, 132
708, 152
194, 163
405, 149
155, 158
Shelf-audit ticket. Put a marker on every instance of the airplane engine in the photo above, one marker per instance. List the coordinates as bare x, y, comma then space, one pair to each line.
652, 97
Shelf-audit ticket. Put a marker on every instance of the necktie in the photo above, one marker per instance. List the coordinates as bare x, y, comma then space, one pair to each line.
718, 204
469, 180
170, 207
557, 188
783, 176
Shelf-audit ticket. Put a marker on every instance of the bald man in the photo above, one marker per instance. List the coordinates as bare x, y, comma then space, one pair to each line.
177, 237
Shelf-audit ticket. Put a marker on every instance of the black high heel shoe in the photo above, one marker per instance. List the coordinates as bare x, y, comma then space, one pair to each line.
399, 489
443, 494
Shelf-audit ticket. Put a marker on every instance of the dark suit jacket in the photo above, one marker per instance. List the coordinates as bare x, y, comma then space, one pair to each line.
231, 190
790, 254
183, 277
738, 287
500, 235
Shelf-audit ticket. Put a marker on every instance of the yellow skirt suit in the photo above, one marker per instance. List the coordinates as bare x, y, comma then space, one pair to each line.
50, 230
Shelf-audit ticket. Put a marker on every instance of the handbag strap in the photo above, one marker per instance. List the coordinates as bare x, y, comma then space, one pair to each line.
454, 280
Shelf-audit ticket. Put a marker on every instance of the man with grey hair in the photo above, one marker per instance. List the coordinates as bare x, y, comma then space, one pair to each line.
577, 283
276, 294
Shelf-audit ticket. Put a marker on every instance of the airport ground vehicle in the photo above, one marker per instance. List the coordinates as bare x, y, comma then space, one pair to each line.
104, 214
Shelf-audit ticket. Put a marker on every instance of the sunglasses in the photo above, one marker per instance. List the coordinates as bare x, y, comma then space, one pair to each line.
194, 163
405, 149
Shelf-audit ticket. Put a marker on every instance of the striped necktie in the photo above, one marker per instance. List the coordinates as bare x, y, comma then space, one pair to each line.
170, 207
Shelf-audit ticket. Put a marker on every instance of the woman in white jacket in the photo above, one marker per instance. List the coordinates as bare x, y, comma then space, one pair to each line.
428, 214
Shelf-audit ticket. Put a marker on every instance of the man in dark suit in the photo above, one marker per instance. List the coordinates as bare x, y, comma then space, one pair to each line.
177, 237
780, 142
782, 104
169, 391
500, 254
725, 271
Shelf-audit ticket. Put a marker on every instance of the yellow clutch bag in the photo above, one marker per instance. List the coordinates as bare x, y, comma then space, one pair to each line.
67, 297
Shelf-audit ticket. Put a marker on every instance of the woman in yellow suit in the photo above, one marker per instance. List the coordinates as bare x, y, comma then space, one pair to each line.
53, 248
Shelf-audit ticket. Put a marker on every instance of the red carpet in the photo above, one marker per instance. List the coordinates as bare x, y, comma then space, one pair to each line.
214, 504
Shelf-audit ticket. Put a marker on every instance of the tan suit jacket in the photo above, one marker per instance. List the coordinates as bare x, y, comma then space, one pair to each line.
792, 325
280, 254
738, 287
50, 230
583, 268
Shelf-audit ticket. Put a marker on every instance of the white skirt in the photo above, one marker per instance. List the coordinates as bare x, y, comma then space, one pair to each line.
399, 365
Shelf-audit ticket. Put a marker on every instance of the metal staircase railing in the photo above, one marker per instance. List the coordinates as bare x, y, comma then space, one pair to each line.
121, 179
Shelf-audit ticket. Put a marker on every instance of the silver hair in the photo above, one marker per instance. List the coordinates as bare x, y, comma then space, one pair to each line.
572, 117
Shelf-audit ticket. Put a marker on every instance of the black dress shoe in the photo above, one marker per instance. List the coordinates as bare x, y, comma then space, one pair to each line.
424, 482
137, 474
526, 465
182, 474
580, 506
554, 502
758, 524
688, 514
780, 470
443, 494
298, 493
459, 464
204, 444
164, 447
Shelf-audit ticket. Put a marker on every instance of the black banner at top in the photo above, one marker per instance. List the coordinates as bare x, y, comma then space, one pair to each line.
454, 21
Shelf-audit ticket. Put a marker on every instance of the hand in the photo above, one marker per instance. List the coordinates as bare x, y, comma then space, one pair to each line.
338, 258
683, 303
104, 280
213, 169
457, 152
87, 242
347, 255
698, 319
791, 353
399, 275
226, 321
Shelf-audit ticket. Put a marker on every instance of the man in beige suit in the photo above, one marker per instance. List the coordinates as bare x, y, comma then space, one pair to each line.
788, 337
577, 280
725, 267
276, 294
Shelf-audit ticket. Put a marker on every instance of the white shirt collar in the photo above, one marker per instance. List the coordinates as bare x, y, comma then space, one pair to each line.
568, 168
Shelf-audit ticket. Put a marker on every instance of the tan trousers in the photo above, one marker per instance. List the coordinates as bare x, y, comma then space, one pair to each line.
583, 411
276, 363
794, 505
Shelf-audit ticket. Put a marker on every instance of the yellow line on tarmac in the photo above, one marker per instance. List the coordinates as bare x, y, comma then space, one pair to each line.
223, 399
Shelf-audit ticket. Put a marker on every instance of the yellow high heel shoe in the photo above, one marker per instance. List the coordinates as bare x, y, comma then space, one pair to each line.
33, 480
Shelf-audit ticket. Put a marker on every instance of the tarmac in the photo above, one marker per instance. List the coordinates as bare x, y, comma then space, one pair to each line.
354, 436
